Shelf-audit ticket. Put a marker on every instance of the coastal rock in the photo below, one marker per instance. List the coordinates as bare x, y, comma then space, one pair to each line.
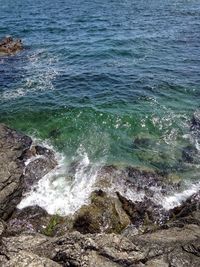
2, 227
9, 46
187, 213
20, 167
143, 212
12, 146
195, 122
42, 161
30, 219
177, 247
190, 154
103, 214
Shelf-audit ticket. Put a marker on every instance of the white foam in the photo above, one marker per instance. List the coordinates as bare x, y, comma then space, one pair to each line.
39, 74
177, 199
57, 193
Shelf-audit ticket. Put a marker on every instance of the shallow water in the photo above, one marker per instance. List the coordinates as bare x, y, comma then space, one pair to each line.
101, 74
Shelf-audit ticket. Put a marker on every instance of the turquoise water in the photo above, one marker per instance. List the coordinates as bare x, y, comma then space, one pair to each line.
101, 74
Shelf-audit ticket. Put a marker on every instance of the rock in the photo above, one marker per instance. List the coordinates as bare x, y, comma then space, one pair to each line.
12, 146
10, 46
171, 247
190, 154
187, 213
2, 227
42, 162
31, 219
103, 214
195, 122
20, 167
55, 133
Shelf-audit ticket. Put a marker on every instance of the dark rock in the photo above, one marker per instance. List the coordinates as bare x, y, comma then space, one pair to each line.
54, 133
20, 167
143, 213
39, 166
9, 46
30, 219
142, 142
195, 122
186, 212
12, 146
189, 154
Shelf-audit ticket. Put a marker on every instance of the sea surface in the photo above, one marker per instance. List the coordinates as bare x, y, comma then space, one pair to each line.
104, 82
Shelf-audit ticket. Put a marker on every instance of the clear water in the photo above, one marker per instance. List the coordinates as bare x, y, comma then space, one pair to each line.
100, 74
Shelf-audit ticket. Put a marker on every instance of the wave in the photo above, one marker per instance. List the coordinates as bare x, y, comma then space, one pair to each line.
58, 192
39, 73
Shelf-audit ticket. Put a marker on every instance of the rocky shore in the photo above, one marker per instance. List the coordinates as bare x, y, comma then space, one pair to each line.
111, 231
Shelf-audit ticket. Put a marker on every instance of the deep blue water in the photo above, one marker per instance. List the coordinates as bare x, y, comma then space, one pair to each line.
101, 74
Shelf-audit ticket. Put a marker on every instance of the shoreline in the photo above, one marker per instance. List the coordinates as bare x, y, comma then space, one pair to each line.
106, 217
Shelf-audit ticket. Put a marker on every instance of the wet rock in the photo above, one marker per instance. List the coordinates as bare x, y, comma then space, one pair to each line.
190, 154
9, 46
30, 219
12, 146
55, 133
195, 122
40, 164
187, 213
142, 142
20, 167
143, 213
103, 214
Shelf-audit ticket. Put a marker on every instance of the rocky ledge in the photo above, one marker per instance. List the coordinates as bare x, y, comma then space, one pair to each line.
111, 231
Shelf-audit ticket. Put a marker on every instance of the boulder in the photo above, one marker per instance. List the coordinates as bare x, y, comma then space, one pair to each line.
103, 214
9, 46
30, 219
42, 161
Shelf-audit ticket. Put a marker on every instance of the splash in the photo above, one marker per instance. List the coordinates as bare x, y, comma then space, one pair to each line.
170, 202
58, 192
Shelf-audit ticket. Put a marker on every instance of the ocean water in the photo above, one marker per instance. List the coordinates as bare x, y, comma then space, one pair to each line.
113, 82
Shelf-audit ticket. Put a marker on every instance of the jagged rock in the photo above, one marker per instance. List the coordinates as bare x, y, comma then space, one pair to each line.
42, 162
171, 247
143, 212
12, 146
30, 219
10, 46
103, 214
195, 122
2, 227
190, 154
20, 167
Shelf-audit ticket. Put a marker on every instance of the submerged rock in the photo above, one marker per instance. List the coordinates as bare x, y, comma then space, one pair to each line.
9, 46
190, 154
195, 122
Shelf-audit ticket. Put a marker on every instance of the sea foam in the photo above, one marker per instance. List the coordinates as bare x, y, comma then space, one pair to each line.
58, 193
